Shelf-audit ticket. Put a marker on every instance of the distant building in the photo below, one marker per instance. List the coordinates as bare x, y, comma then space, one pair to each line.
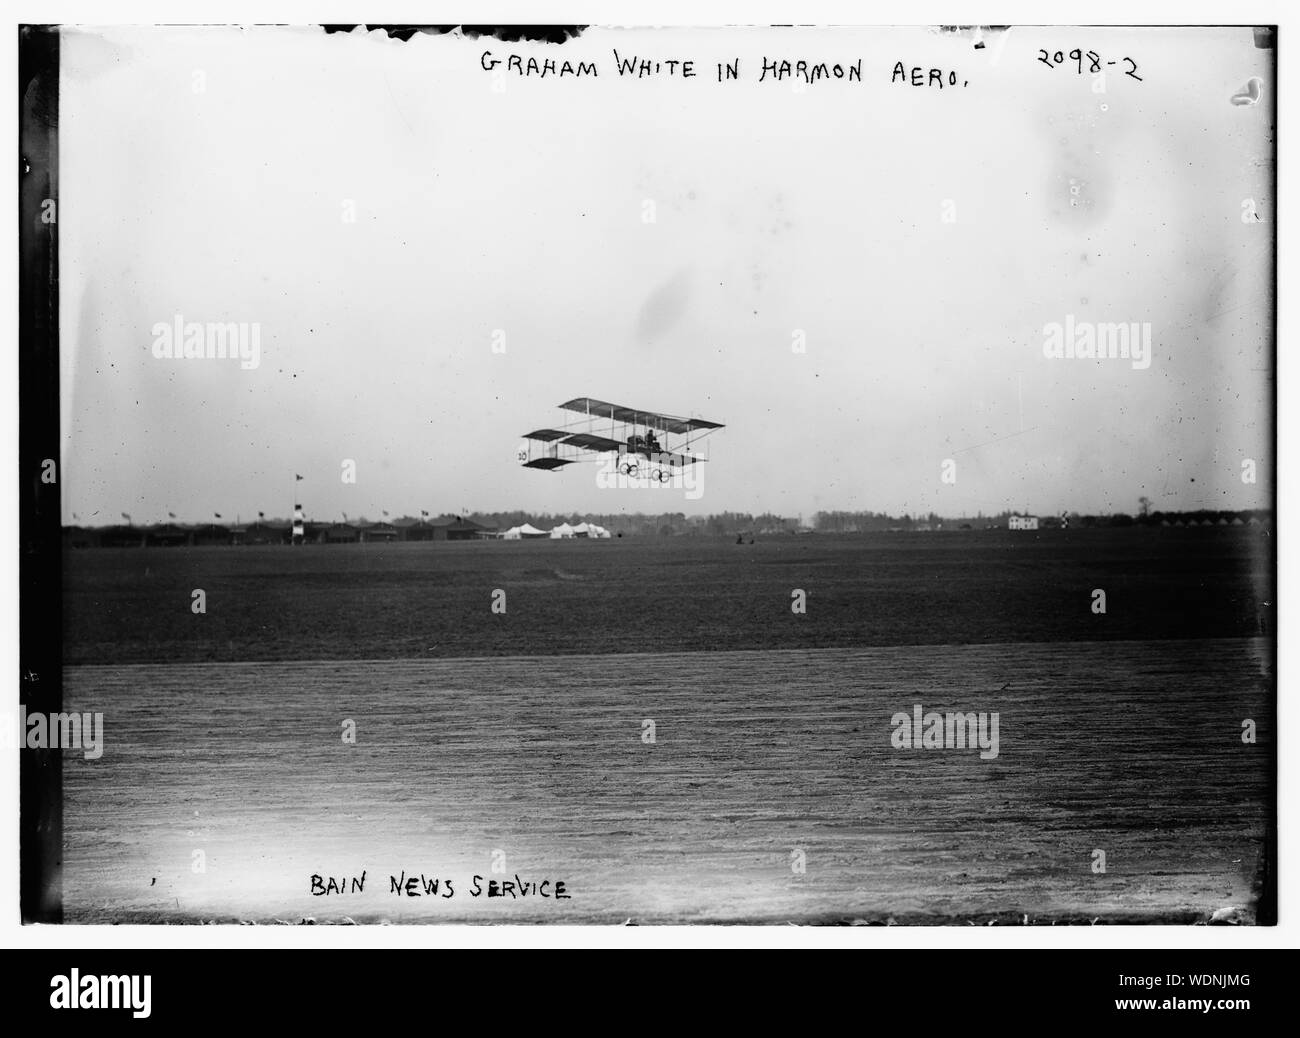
212, 534
454, 528
167, 536
265, 533
122, 537
411, 529
1023, 522
385, 532
341, 533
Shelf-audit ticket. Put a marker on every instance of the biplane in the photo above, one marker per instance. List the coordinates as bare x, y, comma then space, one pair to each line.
627, 434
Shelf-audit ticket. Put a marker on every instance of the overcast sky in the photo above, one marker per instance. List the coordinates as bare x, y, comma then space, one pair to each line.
919, 239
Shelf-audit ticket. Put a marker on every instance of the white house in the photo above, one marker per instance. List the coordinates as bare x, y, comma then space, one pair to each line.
1023, 522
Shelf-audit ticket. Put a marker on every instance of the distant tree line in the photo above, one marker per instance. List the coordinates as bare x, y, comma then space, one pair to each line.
768, 524
676, 524
865, 522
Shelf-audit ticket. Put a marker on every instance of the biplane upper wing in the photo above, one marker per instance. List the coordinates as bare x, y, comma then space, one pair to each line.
618, 413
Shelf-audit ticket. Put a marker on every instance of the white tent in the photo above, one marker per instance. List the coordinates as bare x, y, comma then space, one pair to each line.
512, 534
597, 531
564, 530
529, 530
582, 530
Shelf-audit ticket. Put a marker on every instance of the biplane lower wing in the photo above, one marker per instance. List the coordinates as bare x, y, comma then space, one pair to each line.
593, 442
548, 464
675, 461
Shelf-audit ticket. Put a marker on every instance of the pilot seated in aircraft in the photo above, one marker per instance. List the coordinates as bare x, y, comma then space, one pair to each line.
646, 444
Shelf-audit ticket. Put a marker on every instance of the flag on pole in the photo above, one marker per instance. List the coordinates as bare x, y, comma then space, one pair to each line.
261, 515
385, 513
217, 514
296, 477
126, 517
423, 512
171, 515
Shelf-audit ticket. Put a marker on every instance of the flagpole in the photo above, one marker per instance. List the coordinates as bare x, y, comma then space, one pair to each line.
293, 512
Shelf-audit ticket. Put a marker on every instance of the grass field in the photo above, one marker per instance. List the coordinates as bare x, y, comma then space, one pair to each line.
771, 791
1131, 748
420, 601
